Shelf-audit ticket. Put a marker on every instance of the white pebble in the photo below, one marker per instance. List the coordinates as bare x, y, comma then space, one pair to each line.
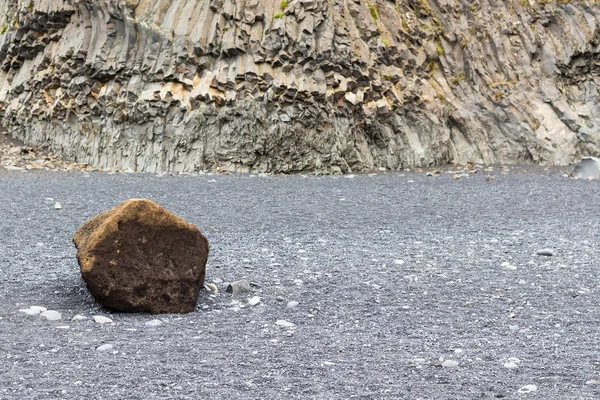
510, 365
63, 327
450, 364
298, 282
154, 322
545, 252
284, 323
29, 311
102, 320
217, 280
38, 308
292, 304
508, 265
528, 389
51, 315
104, 347
254, 301
211, 287
399, 262
57, 206
78, 318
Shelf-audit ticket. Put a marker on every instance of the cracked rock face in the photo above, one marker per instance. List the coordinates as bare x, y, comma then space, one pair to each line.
139, 257
301, 85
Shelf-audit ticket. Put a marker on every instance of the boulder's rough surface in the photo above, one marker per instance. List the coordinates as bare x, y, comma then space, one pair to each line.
139, 257
302, 85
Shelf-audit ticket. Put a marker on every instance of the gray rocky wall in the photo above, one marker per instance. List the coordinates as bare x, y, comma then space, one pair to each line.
304, 85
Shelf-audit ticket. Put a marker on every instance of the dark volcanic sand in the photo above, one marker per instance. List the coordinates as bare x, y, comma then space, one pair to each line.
367, 326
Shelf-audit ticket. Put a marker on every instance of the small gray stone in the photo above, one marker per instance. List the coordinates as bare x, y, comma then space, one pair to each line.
284, 323
545, 252
450, 364
254, 301
211, 287
51, 315
587, 168
510, 365
105, 347
30, 311
279, 298
528, 389
239, 287
101, 319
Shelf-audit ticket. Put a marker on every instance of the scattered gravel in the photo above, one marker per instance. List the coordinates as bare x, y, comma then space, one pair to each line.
368, 326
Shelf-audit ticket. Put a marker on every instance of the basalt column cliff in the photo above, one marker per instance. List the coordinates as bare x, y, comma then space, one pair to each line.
302, 85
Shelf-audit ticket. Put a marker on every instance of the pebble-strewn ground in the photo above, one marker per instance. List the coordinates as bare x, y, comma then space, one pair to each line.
389, 286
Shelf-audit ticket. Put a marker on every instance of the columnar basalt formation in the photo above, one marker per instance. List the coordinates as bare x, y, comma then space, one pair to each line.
301, 85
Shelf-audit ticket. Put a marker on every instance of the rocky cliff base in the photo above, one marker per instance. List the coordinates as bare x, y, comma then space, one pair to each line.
304, 85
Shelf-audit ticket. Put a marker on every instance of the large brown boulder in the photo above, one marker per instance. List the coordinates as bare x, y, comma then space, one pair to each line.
139, 257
